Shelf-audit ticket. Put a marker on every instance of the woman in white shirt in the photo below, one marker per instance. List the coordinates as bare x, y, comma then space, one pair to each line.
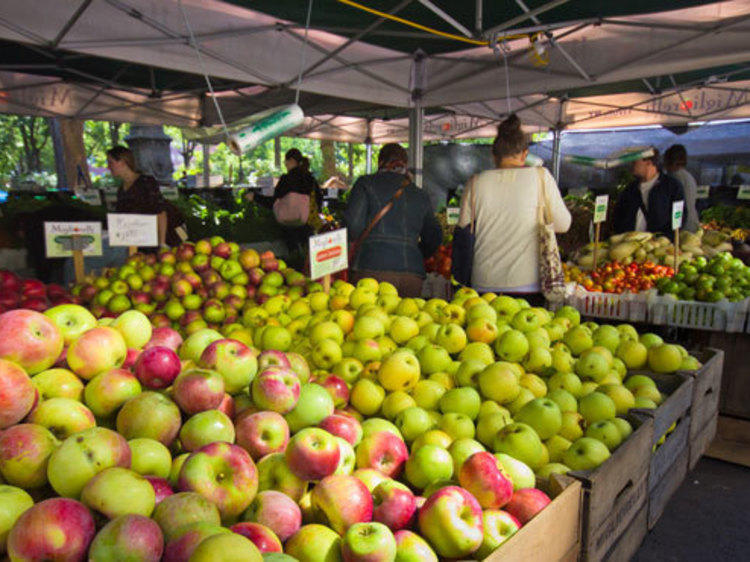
675, 160
506, 248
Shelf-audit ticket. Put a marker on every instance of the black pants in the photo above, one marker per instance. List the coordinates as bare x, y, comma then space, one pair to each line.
296, 240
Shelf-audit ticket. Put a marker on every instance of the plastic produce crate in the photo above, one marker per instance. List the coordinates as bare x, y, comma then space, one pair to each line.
601, 305
616, 492
554, 534
721, 316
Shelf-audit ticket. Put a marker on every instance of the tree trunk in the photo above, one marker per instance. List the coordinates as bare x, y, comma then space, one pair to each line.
329, 159
71, 131
114, 132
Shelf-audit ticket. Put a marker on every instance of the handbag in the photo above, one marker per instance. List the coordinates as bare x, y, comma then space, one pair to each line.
462, 251
292, 210
551, 276
354, 247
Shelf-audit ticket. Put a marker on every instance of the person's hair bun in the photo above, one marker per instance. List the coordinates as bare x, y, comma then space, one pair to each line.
510, 138
511, 124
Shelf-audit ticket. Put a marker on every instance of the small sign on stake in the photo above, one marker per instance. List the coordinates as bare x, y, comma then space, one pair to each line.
600, 208
169, 192
127, 229
328, 254
703, 192
452, 215
677, 209
744, 192
59, 242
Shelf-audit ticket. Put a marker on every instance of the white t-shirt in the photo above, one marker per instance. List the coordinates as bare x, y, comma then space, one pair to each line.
506, 247
690, 187
640, 218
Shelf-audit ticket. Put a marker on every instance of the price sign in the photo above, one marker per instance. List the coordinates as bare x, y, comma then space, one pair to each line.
132, 230
61, 238
169, 192
677, 209
328, 253
452, 214
744, 192
600, 208
702, 192
90, 196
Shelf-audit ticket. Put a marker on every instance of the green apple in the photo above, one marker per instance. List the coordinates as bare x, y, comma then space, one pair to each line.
348, 369
645, 403
585, 454
452, 337
624, 427
368, 327
627, 332
649, 392
570, 313
433, 359
524, 397
491, 407
104, 493
400, 371
543, 415
413, 422
650, 340
313, 406
512, 346
572, 426
410, 547
607, 336
72, 320
605, 431
564, 400
635, 381
429, 464
556, 446
325, 354
432, 437
366, 397
315, 543
427, 394
621, 396
478, 351
58, 383
499, 382
552, 468
633, 353
458, 426
226, 547
403, 329
417, 342
489, 424
150, 458
592, 365
520, 441
520, 473
396, 402
538, 337
664, 358
463, 400
539, 360
370, 426
13, 502
371, 541
204, 428
462, 449
587, 387
562, 359
565, 381
326, 330
135, 328
578, 339
506, 308
466, 374
596, 406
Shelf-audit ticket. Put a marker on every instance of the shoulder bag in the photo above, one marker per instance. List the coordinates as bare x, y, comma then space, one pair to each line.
551, 276
462, 251
355, 246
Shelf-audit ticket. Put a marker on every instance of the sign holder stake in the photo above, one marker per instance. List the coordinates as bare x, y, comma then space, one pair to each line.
597, 234
78, 265
600, 215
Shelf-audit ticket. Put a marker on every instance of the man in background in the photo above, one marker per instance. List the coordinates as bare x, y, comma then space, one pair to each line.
675, 162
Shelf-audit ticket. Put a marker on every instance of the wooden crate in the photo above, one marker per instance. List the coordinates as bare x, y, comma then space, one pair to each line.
663, 489
700, 443
554, 534
732, 441
706, 388
616, 491
630, 541
678, 388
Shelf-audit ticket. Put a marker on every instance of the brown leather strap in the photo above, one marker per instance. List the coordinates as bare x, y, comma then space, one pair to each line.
377, 218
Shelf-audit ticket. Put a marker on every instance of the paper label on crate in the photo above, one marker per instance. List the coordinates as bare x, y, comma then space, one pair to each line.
677, 208
452, 214
169, 192
61, 238
328, 253
90, 196
127, 229
702, 192
744, 192
600, 208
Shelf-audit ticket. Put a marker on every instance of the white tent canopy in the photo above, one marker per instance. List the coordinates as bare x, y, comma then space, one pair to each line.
465, 92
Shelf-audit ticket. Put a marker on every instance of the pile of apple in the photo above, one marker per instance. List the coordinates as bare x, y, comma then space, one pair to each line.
32, 294
209, 283
355, 426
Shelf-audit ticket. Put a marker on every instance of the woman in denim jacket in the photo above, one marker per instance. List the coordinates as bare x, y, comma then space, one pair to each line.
395, 249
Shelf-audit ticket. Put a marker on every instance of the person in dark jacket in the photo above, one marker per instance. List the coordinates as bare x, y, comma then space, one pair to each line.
139, 193
297, 179
395, 249
646, 204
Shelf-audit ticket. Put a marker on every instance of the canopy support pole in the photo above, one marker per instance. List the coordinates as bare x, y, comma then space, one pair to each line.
206, 166
277, 152
416, 116
351, 162
478, 17
556, 138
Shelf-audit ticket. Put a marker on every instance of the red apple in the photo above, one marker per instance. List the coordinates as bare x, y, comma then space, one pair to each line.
233, 360
343, 426
337, 388
96, 351
161, 487
341, 501
33, 288
25, 450
383, 451
394, 505
17, 394
277, 511
261, 433
157, 367
482, 475
273, 358
55, 529
526, 503
130, 358
260, 535
197, 390
222, 473
276, 389
312, 454
9, 281
181, 510
451, 520
30, 340
128, 537
164, 337
227, 405
151, 415
107, 392
187, 538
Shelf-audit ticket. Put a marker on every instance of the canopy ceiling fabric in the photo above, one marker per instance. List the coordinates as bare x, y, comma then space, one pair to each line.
595, 49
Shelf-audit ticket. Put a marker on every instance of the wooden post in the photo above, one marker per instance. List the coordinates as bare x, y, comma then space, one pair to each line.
597, 233
78, 267
326, 283
676, 247
132, 250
